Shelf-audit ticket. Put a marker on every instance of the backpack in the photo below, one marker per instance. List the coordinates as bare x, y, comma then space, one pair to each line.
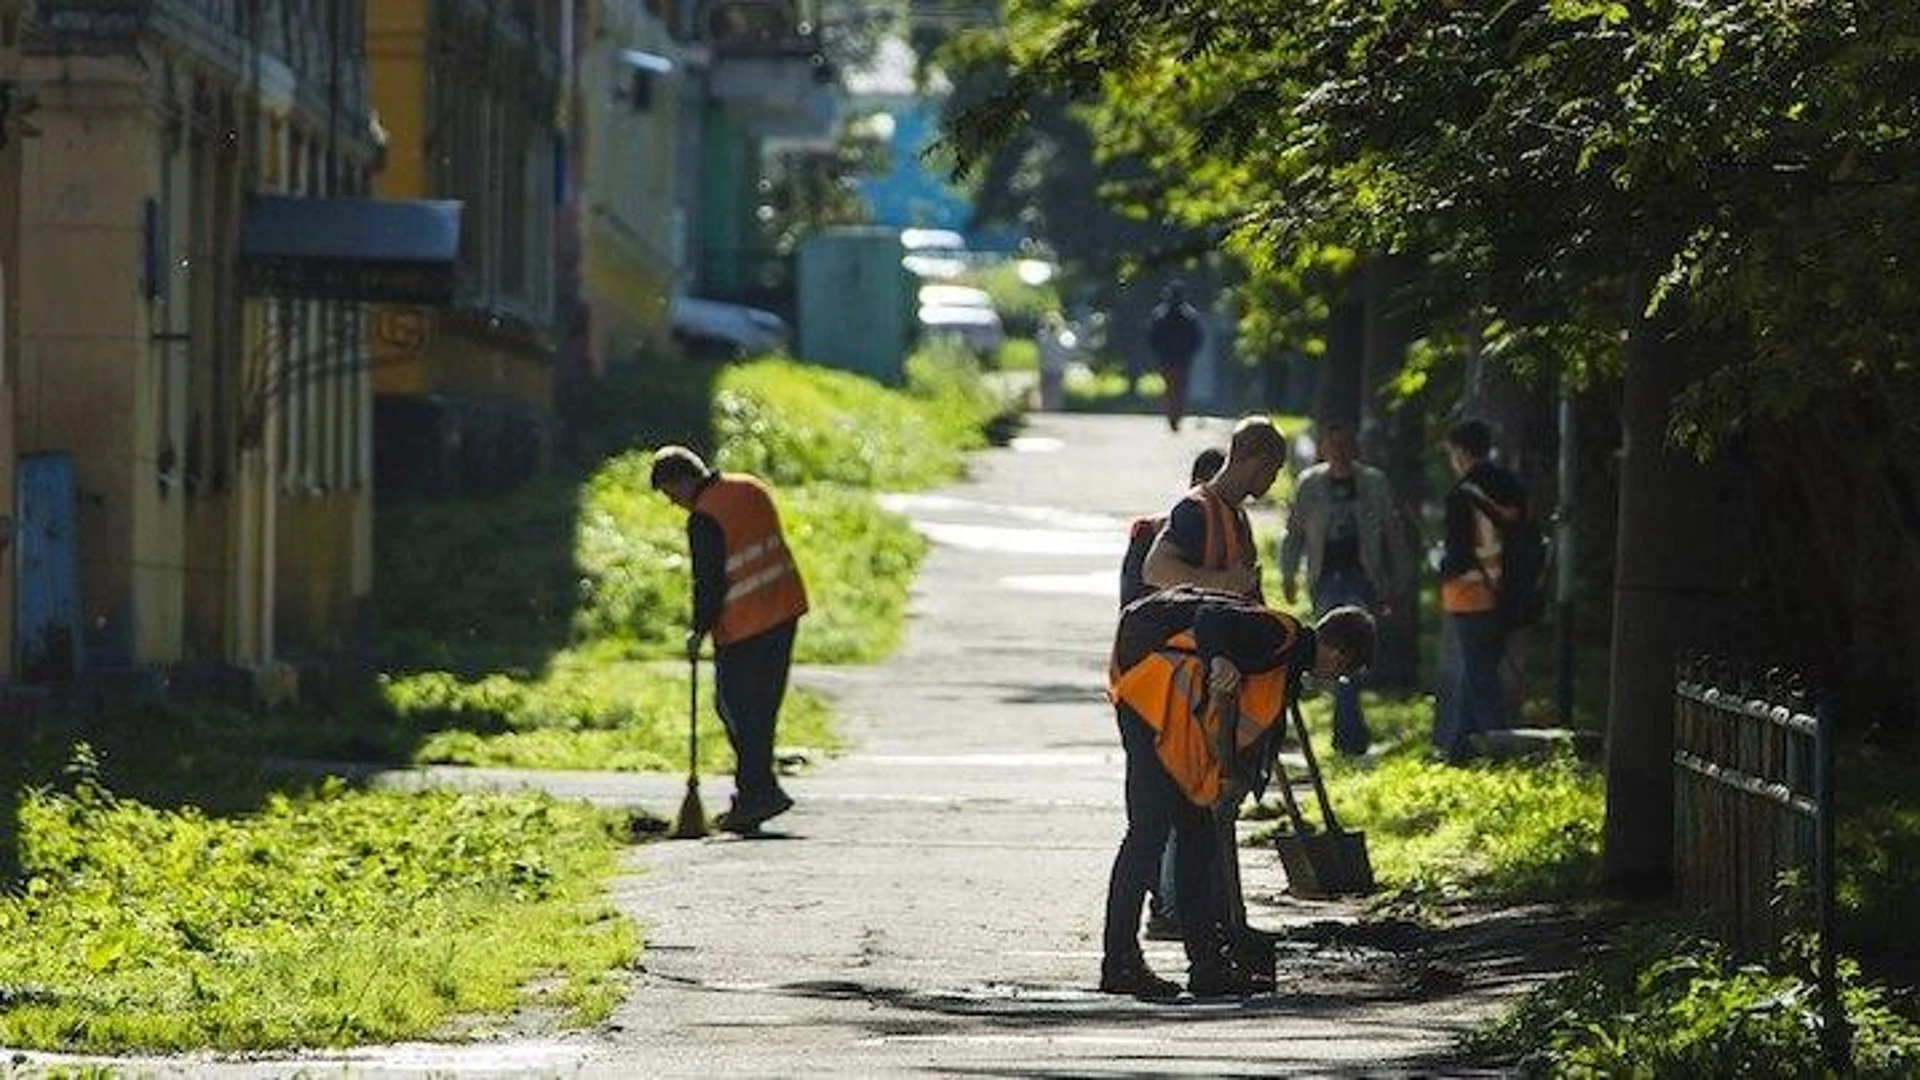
1525, 562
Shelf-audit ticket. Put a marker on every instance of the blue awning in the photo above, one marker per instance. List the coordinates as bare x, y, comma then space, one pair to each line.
395, 250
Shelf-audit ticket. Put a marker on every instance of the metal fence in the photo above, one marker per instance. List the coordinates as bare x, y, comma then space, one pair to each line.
1754, 811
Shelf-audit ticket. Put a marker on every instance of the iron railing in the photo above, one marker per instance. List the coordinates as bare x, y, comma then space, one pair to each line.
1754, 813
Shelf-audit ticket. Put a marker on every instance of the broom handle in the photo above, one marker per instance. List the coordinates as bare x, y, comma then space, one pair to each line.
1313, 768
693, 716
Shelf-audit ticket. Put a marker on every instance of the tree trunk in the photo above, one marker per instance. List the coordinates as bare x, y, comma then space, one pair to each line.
1670, 591
1395, 442
1339, 393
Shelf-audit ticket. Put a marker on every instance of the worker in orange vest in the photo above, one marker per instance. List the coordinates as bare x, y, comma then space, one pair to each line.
747, 594
1200, 681
1207, 539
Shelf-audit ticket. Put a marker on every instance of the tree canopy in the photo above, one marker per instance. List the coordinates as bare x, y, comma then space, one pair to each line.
1564, 166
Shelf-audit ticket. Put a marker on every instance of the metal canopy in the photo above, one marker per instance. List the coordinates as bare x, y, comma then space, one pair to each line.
398, 251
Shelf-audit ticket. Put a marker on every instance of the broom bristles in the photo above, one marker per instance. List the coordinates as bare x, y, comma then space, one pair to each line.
692, 822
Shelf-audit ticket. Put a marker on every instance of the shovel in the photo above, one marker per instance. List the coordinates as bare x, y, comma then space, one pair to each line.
1330, 862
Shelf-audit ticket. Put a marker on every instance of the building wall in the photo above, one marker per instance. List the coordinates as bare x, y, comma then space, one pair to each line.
628, 197
197, 417
467, 93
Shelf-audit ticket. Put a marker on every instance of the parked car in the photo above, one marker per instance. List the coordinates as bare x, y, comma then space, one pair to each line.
729, 329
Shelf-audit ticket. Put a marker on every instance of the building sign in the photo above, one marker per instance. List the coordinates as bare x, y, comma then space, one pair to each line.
87, 27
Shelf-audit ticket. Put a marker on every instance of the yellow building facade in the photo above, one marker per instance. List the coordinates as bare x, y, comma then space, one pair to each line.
219, 438
624, 117
467, 93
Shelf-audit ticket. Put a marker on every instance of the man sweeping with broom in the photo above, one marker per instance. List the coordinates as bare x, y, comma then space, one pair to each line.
748, 595
1200, 682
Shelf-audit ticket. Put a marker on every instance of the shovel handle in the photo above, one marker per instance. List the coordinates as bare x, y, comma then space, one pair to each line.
1313, 768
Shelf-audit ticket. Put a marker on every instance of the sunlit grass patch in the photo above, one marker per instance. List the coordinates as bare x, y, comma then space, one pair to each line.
591, 709
1491, 832
1666, 1003
857, 559
327, 918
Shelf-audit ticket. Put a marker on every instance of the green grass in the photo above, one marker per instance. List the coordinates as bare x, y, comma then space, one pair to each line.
790, 424
587, 711
1666, 1003
324, 918
1488, 833
540, 662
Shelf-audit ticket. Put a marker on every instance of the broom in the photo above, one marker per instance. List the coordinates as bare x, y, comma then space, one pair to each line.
692, 822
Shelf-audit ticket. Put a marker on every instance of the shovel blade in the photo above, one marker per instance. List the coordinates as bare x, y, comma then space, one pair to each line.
1322, 865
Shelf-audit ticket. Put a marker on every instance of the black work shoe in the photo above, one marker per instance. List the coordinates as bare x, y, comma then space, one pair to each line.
1227, 980
1137, 980
747, 818
1214, 981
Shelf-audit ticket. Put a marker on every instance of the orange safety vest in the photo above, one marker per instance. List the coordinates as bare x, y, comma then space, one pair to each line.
763, 584
1223, 548
1168, 688
1478, 589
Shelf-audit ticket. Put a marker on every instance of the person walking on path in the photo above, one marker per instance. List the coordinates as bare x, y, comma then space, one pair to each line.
1200, 682
748, 595
1057, 343
1207, 539
1470, 699
1342, 520
1174, 335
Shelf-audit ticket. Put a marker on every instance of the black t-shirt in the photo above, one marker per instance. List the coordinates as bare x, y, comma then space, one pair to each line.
1342, 550
1246, 633
1187, 528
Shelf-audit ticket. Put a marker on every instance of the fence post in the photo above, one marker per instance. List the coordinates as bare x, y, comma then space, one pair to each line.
1834, 1035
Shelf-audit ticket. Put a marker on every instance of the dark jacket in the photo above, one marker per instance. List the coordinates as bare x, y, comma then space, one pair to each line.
1499, 485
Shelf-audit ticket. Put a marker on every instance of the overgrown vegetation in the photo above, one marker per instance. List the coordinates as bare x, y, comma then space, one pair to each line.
1667, 1003
569, 658
1492, 832
328, 917
591, 709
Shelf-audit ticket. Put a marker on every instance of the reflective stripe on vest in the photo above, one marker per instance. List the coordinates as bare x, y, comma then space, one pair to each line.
763, 584
1168, 688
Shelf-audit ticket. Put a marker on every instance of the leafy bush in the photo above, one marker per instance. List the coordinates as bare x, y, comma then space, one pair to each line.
1017, 354
792, 424
968, 410
1668, 1004
328, 918
1019, 305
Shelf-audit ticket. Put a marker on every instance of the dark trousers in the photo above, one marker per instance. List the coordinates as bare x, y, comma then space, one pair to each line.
1470, 699
1155, 807
750, 680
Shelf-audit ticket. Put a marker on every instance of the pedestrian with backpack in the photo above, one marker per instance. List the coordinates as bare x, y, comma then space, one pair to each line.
1484, 504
